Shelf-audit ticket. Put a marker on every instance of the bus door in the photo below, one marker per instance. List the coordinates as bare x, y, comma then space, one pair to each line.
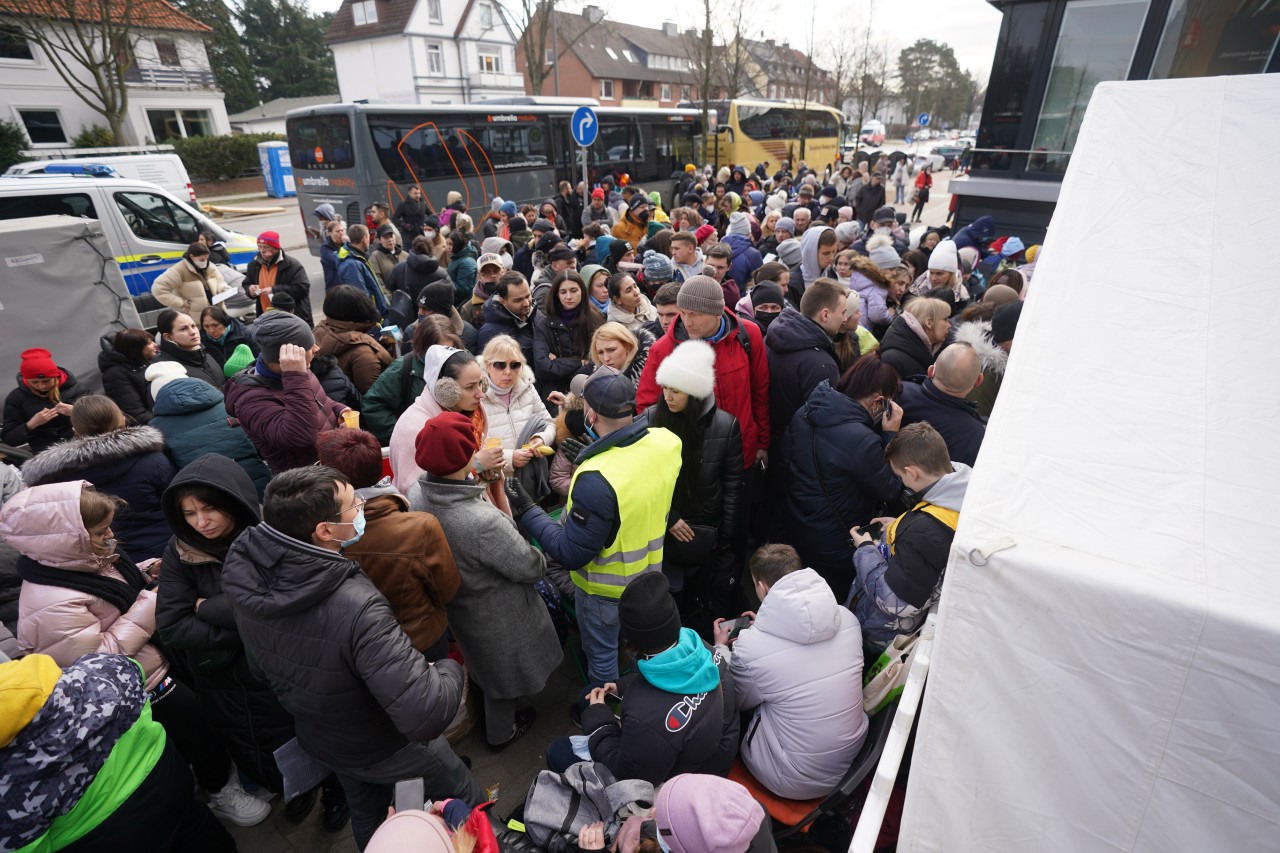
322, 151
616, 151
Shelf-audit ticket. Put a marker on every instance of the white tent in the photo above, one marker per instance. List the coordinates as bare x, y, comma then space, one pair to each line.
1110, 680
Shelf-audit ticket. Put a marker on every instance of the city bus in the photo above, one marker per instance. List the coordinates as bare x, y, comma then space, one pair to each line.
352, 155
748, 131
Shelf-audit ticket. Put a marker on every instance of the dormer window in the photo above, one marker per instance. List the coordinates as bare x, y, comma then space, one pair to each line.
364, 12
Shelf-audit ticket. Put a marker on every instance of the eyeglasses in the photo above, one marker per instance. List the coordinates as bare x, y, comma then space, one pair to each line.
504, 365
359, 504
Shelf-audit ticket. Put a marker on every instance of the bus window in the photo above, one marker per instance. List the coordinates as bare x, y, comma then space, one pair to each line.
320, 142
784, 122
515, 146
616, 143
431, 147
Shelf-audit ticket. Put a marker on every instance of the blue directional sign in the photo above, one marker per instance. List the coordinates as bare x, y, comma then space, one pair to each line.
584, 126
923, 120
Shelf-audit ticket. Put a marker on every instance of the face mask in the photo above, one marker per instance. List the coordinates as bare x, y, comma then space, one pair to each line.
358, 526
644, 217
109, 553
885, 231
430, 235
200, 264
764, 318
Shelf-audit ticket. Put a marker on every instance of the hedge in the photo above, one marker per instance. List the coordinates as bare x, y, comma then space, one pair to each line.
12, 143
221, 158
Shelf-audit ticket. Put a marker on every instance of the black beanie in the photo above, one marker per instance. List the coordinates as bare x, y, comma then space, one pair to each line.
647, 614
1005, 322
767, 293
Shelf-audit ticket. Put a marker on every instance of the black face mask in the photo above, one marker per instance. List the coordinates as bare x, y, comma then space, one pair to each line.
764, 318
643, 217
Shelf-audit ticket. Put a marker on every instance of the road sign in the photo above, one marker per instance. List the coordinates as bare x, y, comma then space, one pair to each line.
584, 126
908, 139
923, 120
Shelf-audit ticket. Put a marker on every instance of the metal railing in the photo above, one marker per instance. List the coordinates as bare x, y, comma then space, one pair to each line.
170, 76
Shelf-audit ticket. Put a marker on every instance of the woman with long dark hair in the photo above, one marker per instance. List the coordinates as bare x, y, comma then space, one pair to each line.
220, 333
180, 343
562, 333
123, 362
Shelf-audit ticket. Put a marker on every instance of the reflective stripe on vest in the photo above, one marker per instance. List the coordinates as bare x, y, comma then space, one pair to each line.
643, 477
949, 517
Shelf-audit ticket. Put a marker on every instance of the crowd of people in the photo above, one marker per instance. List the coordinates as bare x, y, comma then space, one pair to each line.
726, 443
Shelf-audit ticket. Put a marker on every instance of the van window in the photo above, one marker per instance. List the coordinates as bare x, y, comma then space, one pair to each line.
154, 217
53, 204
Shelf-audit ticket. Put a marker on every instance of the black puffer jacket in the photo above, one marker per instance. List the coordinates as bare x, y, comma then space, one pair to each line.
718, 502
903, 349
333, 652
237, 333
552, 336
239, 705
336, 384
198, 363
801, 355
122, 380
21, 404
415, 273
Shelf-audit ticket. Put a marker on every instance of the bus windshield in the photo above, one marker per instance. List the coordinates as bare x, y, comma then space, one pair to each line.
321, 142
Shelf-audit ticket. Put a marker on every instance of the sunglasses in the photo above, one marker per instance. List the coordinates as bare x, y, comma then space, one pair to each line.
503, 365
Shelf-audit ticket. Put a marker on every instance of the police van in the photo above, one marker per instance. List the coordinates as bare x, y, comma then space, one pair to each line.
148, 228
163, 170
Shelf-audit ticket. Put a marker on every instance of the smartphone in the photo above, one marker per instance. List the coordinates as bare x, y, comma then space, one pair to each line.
409, 795
873, 530
737, 625
613, 697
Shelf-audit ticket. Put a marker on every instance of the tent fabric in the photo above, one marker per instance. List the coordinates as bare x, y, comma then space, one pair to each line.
1112, 680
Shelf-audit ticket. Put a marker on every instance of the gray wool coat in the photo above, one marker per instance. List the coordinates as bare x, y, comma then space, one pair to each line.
498, 618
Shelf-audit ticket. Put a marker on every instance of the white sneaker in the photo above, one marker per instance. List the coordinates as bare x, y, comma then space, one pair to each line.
233, 804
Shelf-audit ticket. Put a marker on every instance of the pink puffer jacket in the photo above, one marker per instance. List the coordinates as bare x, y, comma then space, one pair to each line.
43, 523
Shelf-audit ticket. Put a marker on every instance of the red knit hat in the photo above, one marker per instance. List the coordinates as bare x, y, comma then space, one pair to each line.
598, 192
38, 364
271, 238
703, 232
445, 444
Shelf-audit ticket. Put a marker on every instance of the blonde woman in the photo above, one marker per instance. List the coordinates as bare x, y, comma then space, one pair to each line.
615, 345
511, 402
916, 335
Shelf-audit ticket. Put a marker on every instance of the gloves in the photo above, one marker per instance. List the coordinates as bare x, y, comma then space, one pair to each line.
517, 497
572, 448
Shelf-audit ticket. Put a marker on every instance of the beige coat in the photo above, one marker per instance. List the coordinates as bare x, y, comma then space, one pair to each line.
182, 288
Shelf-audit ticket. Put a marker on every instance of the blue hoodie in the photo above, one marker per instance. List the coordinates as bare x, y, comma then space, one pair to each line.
684, 669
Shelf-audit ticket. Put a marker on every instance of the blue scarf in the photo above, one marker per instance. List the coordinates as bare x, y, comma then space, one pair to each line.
720, 333
260, 367
603, 306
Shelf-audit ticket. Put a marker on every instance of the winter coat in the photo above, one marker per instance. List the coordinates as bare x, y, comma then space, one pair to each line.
329, 262
977, 234
333, 652
291, 277
238, 704
337, 385
630, 230
184, 288
359, 355
22, 403
799, 666
835, 437
498, 617
893, 596
406, 556
282, 415
198, 363
383, 262
415, 273
507, 420
10, 583
128, 463
955, 418
552, 336
872, 286
191, 416
462, 269
410, 217
686, 722
746, 260
801, 354
123, 381
977, 334
237, 333
356, 269
870, 198
742, 379
384, 402
45, 527
904, 350
499, 321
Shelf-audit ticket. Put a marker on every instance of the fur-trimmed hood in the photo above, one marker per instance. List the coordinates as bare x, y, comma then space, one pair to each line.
977, 334
81, 453
863, 266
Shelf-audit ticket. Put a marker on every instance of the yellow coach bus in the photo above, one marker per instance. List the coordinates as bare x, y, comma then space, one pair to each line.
749, 131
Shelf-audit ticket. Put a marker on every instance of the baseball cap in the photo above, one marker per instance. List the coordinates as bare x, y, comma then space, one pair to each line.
607, 392
490, 260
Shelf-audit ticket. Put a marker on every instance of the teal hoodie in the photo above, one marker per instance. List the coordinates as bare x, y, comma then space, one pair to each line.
685, 669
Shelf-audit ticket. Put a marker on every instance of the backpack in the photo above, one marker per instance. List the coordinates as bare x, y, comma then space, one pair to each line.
560, 804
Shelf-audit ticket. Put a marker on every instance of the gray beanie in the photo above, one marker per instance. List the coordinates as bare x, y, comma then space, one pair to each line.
789, 252
701, 294
276, 328
881, 252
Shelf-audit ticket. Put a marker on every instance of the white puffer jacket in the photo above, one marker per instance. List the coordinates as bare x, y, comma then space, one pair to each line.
507, 421
800, 667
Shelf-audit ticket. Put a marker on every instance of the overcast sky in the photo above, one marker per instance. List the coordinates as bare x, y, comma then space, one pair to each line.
969, 26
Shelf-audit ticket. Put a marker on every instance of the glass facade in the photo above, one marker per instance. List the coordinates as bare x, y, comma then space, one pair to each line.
1010, 83
1206, 38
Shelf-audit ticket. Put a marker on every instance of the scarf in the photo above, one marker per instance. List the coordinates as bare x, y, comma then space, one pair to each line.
603, 306
914, 325
120, 594
720, 333
644, 313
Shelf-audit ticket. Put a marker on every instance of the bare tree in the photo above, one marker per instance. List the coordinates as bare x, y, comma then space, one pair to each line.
90, 43
547, 31
731, 67
700, 50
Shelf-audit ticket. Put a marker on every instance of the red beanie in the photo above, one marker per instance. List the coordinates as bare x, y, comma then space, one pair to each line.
38, 364
271, 238
445, 445
703, 232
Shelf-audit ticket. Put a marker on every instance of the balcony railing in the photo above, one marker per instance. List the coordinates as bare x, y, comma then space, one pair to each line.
170, 77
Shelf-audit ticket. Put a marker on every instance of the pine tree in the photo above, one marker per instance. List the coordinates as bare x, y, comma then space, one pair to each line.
285, 44
231, 66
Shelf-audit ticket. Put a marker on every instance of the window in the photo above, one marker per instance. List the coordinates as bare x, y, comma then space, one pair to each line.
490, 60
70, 204
179, 124
615, 143
44, 127
1095, 44
784, 123
486, 16
548, 57
197, 123
606, 90
154, 217
434, 13
439, 149
609, 51
167, 52
685, 94
364, 12
1207, 40
1003, 109
13, 44
631, 57
666, 91
320, 143
435, 59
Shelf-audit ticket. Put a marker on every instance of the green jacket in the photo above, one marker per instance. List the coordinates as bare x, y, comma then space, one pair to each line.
385, 401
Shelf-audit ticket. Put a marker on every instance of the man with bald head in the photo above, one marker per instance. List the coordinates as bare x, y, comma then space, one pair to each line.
940, 400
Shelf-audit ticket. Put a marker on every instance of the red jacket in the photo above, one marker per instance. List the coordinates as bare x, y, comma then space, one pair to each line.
742, 381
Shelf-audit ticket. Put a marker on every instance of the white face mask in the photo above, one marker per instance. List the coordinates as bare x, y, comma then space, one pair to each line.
430, 235
200, 264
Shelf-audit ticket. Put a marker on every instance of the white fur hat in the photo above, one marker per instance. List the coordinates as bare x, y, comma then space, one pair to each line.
160, 373
945, 258
690, 368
